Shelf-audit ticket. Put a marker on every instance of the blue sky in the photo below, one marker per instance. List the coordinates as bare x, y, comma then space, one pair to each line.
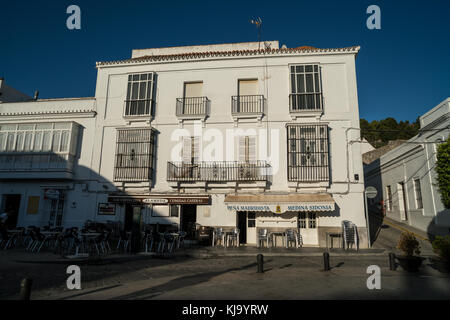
403, 69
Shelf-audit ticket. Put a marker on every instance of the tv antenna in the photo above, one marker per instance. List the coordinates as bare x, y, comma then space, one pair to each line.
258, 23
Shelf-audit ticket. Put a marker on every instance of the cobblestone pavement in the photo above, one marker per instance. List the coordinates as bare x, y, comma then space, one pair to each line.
221, 278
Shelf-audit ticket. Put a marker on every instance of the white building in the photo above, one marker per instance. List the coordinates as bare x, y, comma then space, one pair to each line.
219, 135
405, 177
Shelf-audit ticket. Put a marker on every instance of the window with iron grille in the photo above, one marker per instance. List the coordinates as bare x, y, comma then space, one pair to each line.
389, 198
134, 154
418, 192
308, 153
306, 93
174, 210
140, 94
307, 220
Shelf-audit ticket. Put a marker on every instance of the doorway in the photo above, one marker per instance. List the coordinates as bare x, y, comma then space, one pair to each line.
11, 204
242, 226
188, 220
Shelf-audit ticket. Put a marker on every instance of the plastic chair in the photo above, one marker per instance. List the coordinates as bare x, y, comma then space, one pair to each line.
218, 236
233, 237
293, 236
263, 235
349, 234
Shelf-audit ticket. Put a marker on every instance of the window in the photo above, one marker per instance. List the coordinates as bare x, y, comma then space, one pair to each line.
306, 91
41, 137
308, 153
174, 210
247, 149
247, 87
140, 94
251, 219
389, 198
418, 192
134, 154
307, 220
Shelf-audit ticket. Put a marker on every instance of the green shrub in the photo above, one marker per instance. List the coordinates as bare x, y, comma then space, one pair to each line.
441, 246
408, 244
443, 171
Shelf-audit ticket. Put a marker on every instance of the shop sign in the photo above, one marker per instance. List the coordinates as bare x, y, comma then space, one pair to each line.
106, 209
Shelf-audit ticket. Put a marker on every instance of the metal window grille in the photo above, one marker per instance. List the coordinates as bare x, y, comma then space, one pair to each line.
389, 197
308, 153
306, 91
134, 154
140, 93
418, 191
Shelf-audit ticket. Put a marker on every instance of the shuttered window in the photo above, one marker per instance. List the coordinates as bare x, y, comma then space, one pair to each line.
134, 154
247, 149
191, 149
308, 153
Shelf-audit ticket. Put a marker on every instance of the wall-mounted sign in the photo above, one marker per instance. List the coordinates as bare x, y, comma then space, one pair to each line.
106, 209
160, 200
155, 201
52, 194
280, 208
190, 200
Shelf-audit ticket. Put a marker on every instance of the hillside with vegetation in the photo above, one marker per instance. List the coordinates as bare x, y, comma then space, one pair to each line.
379, 132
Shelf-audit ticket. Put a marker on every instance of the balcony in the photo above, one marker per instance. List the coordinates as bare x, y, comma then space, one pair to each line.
247, 106
34, 165
192, 108
305, 104
223, 171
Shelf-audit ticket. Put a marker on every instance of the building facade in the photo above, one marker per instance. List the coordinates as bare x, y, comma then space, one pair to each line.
405, 177
227, 135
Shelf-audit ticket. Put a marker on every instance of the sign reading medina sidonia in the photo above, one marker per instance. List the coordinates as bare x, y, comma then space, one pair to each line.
280, 208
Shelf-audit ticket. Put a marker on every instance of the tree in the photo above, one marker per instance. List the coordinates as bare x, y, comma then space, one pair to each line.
379, 133
443, 171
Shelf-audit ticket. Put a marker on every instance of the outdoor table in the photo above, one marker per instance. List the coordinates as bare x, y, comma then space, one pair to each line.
275, 234
329, 238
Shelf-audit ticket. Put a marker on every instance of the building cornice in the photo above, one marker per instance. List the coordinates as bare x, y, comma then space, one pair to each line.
233, 54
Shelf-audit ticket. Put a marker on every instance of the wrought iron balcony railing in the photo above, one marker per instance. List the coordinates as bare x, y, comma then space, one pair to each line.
194, 106
247, 104
221, 171
299, 102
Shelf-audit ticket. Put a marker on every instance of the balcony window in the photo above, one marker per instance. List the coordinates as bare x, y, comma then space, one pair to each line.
308, 153
306, 93
193, 105
134, 155
38, 147
140, 94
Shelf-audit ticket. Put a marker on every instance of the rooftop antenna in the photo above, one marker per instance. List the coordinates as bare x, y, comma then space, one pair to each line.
258, 23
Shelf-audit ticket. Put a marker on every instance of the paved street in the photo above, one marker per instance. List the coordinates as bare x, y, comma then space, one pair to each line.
227, 277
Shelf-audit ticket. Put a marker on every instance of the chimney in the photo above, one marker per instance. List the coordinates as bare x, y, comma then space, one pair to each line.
36, 94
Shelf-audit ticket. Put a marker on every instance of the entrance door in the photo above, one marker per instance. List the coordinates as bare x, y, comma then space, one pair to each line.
307, 224
11, 204
128, 222
188, 220
401, 200
242, 226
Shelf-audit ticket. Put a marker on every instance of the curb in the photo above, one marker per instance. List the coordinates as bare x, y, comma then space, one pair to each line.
396, 226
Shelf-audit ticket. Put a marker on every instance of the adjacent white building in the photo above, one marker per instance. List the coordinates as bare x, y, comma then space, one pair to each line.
405, 177
226, 135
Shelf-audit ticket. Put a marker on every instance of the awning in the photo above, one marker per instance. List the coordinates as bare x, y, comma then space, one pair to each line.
279, 203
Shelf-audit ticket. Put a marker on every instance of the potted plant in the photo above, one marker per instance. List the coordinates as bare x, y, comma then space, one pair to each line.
441, 246
410, 246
